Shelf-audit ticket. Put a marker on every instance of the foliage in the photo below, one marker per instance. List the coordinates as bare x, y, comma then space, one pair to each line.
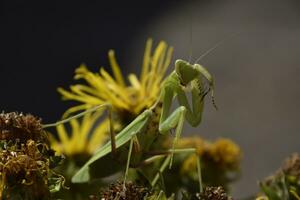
285, 183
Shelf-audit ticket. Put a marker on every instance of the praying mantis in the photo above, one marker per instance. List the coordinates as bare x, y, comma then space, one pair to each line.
159, 120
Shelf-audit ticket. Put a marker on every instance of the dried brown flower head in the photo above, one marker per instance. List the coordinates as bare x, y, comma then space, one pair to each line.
117, 190
15, 126
26, 159
214, 193
285, 182
23, 167
24, 170
291, 166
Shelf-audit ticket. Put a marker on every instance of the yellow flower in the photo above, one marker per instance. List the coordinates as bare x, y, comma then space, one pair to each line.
192, 142
189, 166
83, 138
225, 152
103, 88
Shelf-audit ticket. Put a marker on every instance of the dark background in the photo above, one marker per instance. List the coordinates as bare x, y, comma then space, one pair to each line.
42, 42
257, 72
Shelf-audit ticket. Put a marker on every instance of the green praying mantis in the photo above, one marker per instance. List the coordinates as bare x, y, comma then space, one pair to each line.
138, 136
159, 119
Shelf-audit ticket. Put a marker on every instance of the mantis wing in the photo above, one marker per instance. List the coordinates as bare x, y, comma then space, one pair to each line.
123, 137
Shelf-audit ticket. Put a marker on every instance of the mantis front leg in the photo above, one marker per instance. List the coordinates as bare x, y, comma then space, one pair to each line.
194, 114
176, 119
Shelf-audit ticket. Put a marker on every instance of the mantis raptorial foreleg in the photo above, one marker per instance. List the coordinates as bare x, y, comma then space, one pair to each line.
177, 118
194, 114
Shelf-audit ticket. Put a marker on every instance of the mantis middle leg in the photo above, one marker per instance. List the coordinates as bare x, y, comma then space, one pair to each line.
168, 160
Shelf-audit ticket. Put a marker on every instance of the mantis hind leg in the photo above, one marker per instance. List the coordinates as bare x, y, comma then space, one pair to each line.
93, 109
128, 161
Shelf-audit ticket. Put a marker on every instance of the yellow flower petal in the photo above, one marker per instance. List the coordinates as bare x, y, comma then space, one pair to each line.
115, 68
146, 61
62, 134
134, 81
99, 136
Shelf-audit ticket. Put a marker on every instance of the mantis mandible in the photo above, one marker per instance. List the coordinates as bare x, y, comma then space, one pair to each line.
159, 119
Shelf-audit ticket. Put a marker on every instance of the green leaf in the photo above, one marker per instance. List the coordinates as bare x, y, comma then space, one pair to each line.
270, 193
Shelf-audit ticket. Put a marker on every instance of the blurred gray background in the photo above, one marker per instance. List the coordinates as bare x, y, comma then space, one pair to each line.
256, 72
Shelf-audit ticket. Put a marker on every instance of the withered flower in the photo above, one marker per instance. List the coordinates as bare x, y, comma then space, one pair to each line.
26, 160
24, 169
285, 183
17, 126
291, 166
214, 193
118, 190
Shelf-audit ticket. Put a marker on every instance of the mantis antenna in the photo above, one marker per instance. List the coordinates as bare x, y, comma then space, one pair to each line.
207, 52
191, 38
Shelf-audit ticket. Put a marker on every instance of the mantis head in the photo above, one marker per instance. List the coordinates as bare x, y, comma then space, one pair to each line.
186, 71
